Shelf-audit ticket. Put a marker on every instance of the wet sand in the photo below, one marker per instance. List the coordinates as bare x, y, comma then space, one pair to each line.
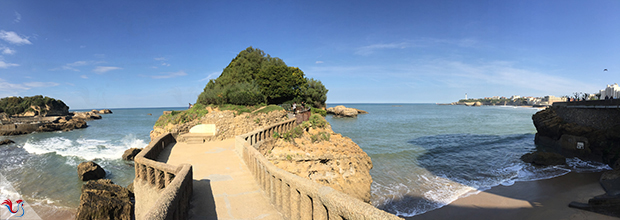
542, 199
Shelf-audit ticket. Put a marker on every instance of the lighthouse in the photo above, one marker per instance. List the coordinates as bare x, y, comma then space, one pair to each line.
465, 96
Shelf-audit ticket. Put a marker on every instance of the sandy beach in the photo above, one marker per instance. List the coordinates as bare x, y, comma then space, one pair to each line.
543, 199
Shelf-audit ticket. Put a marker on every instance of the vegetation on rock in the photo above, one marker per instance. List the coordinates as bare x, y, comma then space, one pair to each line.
254, 77
180, 117
19, 105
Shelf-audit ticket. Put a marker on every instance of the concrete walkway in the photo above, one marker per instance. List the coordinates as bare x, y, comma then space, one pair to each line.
224, 188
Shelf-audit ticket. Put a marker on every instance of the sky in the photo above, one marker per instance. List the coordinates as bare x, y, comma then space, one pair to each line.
128, 54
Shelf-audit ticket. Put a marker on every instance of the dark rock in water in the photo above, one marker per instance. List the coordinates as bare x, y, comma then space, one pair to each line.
131, 153
102, 199
90, 171
544, 158
6, 141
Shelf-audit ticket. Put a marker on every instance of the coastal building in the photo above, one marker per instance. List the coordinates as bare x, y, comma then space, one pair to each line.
515, 97
549, 100
611, 91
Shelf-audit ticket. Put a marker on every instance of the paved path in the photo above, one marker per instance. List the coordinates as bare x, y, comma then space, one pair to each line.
224, 188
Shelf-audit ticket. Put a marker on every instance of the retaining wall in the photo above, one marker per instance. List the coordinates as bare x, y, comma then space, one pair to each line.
162, 191
293, 196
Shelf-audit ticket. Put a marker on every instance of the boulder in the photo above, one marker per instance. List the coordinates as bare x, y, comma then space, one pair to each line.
6, 141
610, 180
105, 111
131, 153
341, 111
90, 171
544, 158
102, 199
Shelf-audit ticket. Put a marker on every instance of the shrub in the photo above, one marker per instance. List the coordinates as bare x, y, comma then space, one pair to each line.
319, 111
276, 135
317, 121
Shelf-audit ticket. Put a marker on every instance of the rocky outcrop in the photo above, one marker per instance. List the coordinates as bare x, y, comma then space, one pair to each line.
90, 171
227, 123
544, 158
102, 199
92, 115
6, 141
103, 111
342, 111
63, 125
323, 157
131, 153
562, 130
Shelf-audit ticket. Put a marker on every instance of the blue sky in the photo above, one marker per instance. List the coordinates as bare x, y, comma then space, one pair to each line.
113, 54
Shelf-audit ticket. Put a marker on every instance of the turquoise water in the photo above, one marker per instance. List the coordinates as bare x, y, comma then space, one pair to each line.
42, 167
426, 156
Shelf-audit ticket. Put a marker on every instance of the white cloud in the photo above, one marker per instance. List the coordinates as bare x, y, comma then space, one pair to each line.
160, 58
210, 76
103, 69
18, 17
6, 50
422, 42
169, 75
71, 66
40, 84
165, 64
9, 87
367, 50
15, 89
4, 65
84, 77
14, 38
318, 62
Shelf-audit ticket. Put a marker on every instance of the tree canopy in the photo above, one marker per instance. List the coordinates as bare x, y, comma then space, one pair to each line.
17, 105
254, 77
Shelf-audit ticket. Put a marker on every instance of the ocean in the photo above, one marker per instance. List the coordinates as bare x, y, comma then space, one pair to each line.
424, 155
42, 167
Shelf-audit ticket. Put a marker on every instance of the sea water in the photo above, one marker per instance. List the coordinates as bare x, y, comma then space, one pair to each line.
426, 156
42, 167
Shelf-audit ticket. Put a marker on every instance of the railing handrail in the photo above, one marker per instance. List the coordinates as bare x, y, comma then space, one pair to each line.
173, 183
285, 190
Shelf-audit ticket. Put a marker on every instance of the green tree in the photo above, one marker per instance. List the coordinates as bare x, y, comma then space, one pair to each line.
280, 83
314, 93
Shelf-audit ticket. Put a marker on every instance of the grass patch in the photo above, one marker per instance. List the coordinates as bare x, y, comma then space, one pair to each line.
179, 117
269, 108
238, 109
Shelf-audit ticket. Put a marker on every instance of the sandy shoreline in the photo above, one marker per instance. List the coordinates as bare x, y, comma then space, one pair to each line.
543, 199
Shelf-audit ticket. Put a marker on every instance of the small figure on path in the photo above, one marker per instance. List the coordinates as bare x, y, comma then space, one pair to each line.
294, 107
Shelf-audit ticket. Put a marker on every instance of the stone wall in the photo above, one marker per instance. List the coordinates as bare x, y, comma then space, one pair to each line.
162, 191
596, 118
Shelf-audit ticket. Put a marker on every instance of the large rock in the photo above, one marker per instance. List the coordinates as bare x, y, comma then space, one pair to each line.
92, 115
131, 153
342, 111
105, 111
102, 199
90, 171
324, 157
6, 141
544, 158
63, 125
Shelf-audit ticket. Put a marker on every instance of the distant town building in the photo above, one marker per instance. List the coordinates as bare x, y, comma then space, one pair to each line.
515, 97
611, 91
549, 100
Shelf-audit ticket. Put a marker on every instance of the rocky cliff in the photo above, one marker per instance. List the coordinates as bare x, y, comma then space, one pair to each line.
227, 123
589, 134
324, 157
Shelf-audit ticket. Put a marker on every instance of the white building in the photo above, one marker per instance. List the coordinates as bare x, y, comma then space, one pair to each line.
611, 91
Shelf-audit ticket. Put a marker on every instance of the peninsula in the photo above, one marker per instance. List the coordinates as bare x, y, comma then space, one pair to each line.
41, 114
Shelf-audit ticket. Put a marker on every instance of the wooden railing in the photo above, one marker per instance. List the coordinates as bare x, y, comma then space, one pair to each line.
294, 196
162, 191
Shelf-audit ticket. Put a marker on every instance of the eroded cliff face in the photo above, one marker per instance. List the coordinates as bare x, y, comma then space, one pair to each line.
228, 124
324, 157
589, 134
